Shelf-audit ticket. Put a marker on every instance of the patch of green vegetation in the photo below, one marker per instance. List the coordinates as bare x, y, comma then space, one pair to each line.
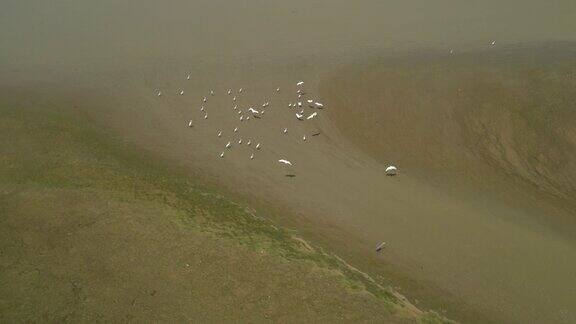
61, 149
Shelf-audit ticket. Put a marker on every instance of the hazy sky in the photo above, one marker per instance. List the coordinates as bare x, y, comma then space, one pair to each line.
81, 31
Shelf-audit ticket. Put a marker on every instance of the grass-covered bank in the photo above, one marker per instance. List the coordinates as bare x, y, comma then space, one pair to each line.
92, 229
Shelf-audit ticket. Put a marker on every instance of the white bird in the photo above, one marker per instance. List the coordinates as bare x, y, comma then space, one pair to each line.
285, 130
319, 105
190, 123
228, 145
285, 161
299, 96
222, 154
241, 118
312, 115
289, 105
304, 138
247, 117
391, 171
235, 129
235, 107
159, 93
206, 116
202, 108
229, 91
252, 110
239, 112
181, 92
310, 101
262, 112
234, 99
251, 156
299, 103
211, 92
188, 77
219, 133
277, 89
204, 99
451, 51
258, 146
299, 116
240, 90
240, 141
380, 246
248, 143
493, 43
300, 83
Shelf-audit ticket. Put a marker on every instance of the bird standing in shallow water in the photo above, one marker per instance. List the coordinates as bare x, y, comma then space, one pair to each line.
391, 170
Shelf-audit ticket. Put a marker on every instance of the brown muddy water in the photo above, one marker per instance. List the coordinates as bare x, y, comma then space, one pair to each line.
481, 221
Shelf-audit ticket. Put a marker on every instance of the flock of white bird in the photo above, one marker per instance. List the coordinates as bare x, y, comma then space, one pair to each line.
298, 105
246, 114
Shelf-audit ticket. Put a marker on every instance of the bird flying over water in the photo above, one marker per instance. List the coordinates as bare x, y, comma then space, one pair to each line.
312, 115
